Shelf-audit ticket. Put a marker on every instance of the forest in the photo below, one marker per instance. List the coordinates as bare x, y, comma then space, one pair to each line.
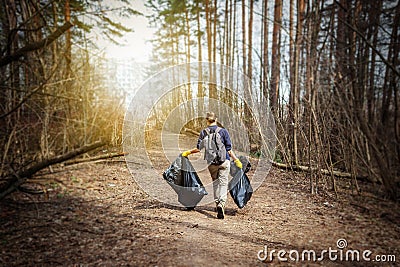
327, 70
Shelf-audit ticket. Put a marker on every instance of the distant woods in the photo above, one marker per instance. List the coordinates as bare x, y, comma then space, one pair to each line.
329, 70
53, 98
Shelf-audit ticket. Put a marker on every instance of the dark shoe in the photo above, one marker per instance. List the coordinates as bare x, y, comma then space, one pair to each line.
220, 212
189, 208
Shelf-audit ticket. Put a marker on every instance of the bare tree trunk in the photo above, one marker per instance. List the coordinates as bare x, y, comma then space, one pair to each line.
234, 103
374, 16
244, 36
68, 42
214, 91
276, 56
208, 30
210, 48
293, 86
233, 48
250, 54
265, 60
200, 86
188, 55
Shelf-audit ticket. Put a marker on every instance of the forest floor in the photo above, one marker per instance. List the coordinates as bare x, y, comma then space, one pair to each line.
95, 214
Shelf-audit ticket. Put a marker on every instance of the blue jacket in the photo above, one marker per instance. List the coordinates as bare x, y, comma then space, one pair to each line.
226, 139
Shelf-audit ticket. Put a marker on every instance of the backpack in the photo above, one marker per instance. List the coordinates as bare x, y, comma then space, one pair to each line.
215, 149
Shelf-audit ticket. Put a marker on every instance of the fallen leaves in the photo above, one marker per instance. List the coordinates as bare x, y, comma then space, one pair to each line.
97, 215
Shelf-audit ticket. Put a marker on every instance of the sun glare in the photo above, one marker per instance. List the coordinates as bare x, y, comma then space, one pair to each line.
135, 44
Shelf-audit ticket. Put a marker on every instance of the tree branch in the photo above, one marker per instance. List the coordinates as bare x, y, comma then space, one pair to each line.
19, 178
323, 171
105, 156
191, 131
35, 46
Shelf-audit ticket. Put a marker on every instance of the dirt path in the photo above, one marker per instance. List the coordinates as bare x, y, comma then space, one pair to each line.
95, 215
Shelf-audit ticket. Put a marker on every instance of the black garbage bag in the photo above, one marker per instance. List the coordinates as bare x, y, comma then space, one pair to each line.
182, 177
240, 187
173, 175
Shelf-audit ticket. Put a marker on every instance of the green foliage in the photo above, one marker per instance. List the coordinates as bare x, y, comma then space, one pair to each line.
74, 179
278, 157
54, 185
83, 26
170, 17
256, 154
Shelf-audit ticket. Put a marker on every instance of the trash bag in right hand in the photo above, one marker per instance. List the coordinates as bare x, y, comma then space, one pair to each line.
240, 187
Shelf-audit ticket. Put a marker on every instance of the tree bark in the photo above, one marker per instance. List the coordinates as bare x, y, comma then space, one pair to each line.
68, 41
265, 58
276, 56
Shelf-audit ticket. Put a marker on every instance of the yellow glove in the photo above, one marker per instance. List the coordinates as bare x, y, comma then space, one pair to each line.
186, 153
238, 163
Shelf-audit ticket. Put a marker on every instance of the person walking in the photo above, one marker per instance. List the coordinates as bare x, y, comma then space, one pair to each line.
213, 136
